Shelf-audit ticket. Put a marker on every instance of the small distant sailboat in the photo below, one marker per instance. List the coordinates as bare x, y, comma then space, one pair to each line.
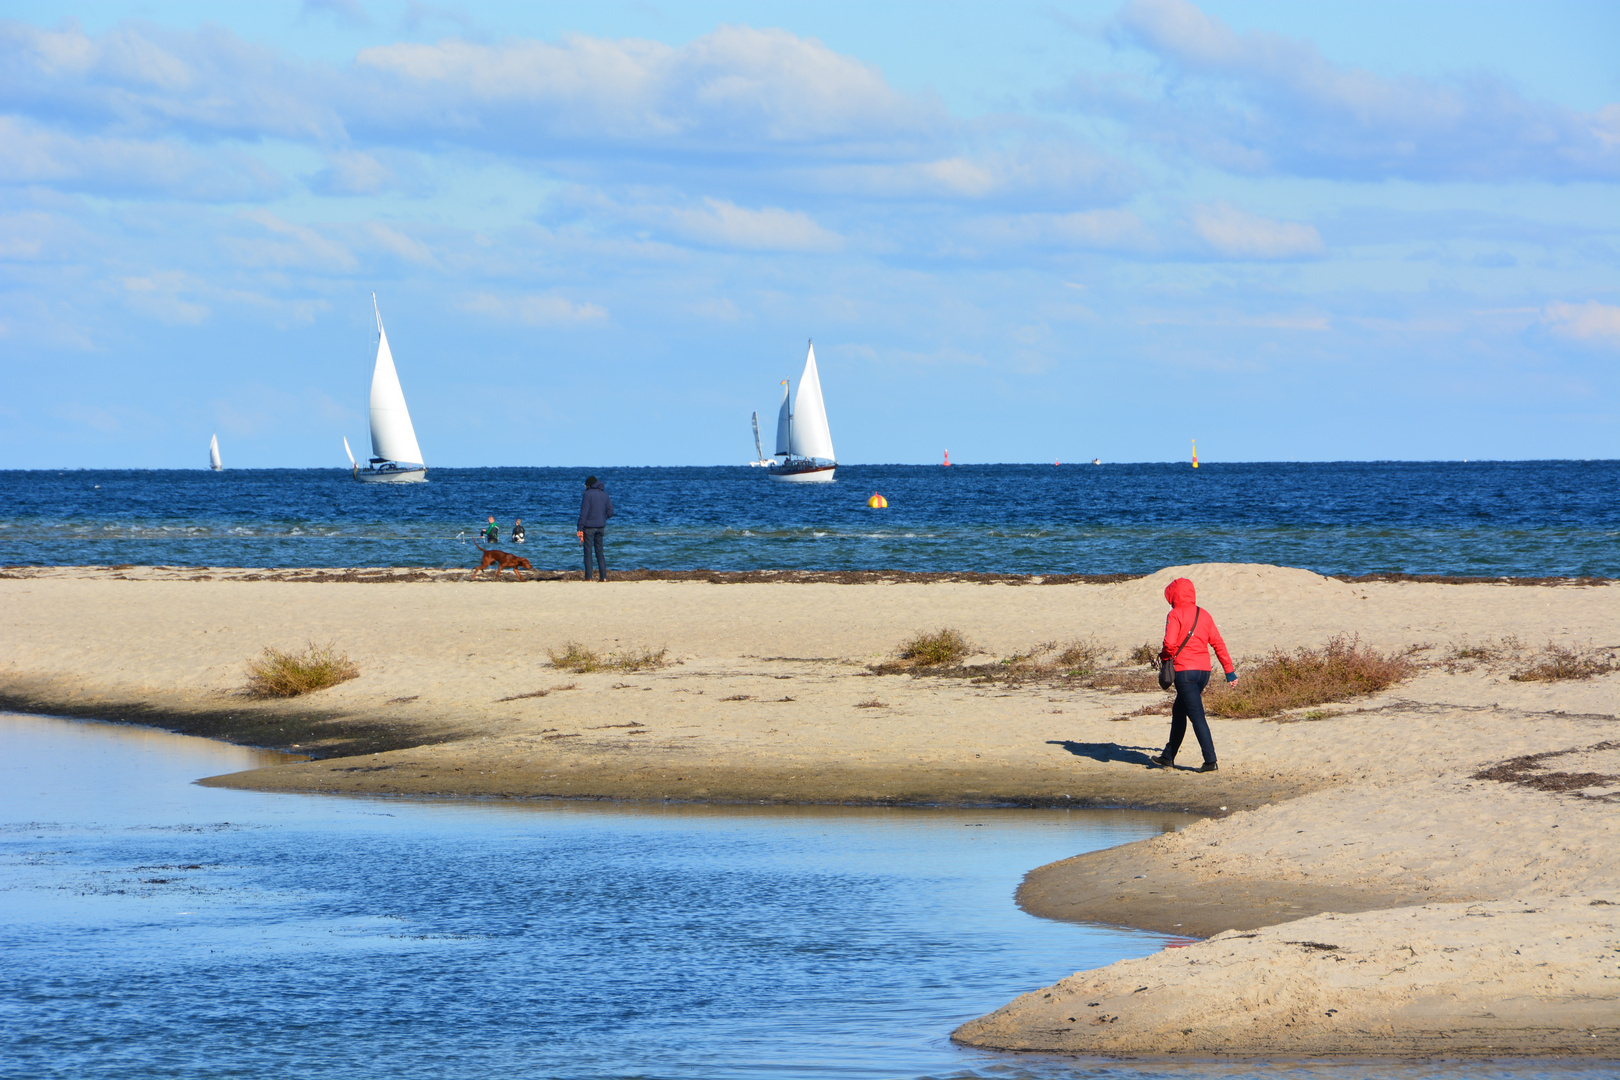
395, 457
1096, 461
213, 454
1195, 453
759, 451
803, 439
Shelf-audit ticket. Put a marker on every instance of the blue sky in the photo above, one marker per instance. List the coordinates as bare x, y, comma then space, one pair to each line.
601, 233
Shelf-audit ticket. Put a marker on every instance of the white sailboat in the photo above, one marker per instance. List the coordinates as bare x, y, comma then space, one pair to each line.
395, 457
213, 453
803, 439
759, 451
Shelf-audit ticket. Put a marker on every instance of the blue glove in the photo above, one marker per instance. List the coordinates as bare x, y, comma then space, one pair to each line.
1231, 676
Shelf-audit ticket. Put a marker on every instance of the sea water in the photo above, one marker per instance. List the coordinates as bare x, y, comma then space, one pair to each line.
1527, 518
151, 928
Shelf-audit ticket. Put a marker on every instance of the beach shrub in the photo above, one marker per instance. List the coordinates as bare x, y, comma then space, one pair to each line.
943, 646
577, 658
1125, 680
1558, 662
1469, 655
1489, 650
1082, 657
274, 673
1146, 654
1343, 668
1077, 658
642, 659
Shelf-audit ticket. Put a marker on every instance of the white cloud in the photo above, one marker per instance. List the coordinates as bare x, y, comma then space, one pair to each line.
346, 12
1259, 102
721, 310
1054, 170
397, 243
1085, 230
766, 101
734, 84
165, 167
534, 310
1238, 234
290, 244
1308, 323
140, 78
22, 236
351, 172
1591, 322
723, 224
158, 296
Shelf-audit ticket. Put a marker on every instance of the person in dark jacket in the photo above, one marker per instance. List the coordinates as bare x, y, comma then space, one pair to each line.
594, 510
1189, 633
517, 531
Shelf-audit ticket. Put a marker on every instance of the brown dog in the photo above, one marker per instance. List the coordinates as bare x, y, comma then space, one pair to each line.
502, 561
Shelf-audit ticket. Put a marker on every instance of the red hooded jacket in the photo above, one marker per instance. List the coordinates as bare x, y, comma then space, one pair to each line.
1195, 657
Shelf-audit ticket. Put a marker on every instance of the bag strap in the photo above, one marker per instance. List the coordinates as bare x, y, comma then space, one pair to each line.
1196, 613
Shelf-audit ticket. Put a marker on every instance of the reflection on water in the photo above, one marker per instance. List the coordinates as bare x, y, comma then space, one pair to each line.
153, 928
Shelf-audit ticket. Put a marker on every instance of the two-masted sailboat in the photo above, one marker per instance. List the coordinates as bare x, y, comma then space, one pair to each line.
395, 457
803, 440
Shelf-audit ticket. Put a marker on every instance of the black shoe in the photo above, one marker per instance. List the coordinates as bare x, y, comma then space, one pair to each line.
1162, 762
1208, 766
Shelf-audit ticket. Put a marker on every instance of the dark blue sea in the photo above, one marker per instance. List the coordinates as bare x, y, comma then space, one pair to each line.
1515, 518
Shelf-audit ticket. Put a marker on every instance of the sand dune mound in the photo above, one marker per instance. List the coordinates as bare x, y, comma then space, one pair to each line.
1246, 583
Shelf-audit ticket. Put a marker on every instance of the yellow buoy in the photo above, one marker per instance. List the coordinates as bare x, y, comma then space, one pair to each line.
877, 502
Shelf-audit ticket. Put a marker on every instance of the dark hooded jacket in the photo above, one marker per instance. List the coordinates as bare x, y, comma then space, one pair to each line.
595, 507
1195, 657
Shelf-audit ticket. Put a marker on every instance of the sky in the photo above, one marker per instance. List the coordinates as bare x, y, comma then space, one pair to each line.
601, 234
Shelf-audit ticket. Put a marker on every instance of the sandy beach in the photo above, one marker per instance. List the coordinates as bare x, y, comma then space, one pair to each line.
1393, 875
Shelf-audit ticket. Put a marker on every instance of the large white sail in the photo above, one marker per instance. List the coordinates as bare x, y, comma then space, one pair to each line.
213, 453
392, 436
811, 436
784, 423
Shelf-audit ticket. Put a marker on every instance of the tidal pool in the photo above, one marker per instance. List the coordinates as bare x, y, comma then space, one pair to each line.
153, 928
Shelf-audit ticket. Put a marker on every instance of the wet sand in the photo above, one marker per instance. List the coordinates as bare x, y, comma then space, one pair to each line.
1370, 824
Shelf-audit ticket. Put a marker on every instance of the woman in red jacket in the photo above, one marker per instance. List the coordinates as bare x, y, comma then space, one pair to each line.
1189, 634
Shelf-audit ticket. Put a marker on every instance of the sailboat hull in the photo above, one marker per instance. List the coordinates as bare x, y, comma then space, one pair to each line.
803, 472
392, 474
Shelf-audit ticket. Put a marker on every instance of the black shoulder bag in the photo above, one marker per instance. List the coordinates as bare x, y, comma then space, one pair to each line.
1167, 668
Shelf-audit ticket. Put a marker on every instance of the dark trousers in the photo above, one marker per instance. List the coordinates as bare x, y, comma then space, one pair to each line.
1189, 706
593, 540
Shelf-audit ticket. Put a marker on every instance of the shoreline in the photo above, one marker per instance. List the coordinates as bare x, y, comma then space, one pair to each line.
381, 575
1377, 818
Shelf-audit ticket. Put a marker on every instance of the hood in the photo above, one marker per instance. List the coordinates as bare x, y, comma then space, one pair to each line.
1180, 593
596, 487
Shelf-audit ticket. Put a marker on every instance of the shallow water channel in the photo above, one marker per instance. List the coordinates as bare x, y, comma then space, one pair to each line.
153, 928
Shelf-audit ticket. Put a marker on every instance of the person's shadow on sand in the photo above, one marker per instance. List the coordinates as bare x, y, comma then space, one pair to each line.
1106, 752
